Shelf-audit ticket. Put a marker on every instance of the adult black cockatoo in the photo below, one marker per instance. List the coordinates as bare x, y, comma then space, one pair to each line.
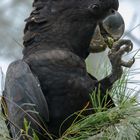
51, 81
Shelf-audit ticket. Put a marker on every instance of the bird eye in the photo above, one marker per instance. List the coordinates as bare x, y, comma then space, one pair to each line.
94, 6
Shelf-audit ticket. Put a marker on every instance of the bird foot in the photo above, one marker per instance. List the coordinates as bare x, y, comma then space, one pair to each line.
115, 56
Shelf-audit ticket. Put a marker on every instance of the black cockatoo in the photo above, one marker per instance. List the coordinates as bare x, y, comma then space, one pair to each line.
51, 81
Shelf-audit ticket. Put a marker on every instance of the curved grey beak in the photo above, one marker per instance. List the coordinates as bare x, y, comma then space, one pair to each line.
112, 27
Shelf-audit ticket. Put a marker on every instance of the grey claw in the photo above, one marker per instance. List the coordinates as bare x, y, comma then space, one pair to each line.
130, 47
118, 44
115, 55
125, 49
129, 63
